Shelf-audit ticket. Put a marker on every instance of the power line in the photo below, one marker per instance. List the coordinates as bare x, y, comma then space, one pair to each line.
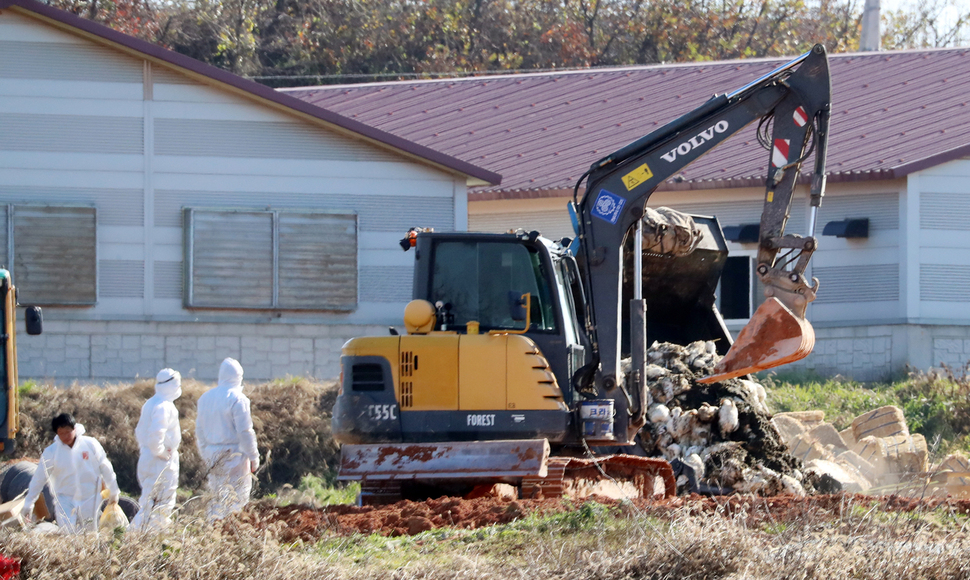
428, 74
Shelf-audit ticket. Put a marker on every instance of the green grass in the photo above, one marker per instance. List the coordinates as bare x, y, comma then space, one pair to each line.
328, 494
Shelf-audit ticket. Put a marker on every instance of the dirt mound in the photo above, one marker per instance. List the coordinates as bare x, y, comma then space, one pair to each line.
401, 518
722, 431
308, 524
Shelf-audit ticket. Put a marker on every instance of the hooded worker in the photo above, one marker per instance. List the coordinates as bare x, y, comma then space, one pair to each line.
158, 434
227, 442
77, 468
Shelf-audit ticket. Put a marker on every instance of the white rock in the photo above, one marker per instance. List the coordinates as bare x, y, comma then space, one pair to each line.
654, 372
672, 452
706, 412
695, 462
758, 396
658, 414
727, 416
792, 486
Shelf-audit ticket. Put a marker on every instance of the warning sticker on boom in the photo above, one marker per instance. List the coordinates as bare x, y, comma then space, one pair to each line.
608, 206
636, 177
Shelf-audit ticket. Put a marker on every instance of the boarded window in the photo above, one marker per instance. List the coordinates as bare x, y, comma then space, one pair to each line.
287, 260
52, 253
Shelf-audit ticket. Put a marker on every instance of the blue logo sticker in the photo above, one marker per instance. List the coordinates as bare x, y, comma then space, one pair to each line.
608, 206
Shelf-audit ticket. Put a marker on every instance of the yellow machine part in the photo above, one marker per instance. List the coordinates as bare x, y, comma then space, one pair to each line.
429, 372
473, 372
10, 327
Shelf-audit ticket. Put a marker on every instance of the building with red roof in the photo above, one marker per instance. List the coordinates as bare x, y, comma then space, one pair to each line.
170, 214
899, 157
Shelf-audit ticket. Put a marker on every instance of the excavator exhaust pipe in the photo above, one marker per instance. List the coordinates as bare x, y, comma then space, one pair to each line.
774, 336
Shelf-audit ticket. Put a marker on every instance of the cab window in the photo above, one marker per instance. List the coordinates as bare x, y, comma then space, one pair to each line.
480, 280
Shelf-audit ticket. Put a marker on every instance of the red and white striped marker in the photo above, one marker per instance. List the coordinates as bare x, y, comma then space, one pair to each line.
779, 154
800, 116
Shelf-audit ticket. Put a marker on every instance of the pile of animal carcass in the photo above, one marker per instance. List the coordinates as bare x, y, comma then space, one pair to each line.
722, 433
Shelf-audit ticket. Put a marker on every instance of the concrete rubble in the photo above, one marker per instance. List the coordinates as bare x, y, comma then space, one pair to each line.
727, 437
875, 454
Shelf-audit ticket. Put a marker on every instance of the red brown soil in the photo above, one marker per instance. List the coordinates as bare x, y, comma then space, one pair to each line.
308, 524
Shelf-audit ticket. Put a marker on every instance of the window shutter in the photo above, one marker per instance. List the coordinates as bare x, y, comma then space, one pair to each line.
317, 261
229, 259
55, 254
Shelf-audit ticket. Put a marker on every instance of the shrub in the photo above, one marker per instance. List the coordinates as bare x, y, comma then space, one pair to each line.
291, 419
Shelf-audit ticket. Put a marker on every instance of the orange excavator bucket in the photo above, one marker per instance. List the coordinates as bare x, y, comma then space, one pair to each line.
774, 336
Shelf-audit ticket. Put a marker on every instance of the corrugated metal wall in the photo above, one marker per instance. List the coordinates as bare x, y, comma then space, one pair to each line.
882, 209
551, 225
377, 213
71, 133
944, 211
79, 61
116, 207
854, 284
944, 282
121, 278
736, 213
259, 139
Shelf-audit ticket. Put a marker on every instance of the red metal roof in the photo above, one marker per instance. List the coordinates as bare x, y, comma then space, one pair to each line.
893, 113
333, 118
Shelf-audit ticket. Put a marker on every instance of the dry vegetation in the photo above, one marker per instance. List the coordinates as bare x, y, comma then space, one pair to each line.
592, 541
741, 537
291, 419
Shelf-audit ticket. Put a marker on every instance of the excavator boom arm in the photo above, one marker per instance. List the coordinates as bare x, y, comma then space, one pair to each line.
797, 96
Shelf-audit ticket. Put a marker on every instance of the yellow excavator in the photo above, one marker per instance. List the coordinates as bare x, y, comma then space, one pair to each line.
510, 368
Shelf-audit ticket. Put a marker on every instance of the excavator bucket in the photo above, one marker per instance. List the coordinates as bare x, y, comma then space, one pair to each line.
774, 336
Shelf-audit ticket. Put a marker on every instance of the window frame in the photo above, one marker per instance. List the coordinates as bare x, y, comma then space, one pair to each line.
11, 266
189, 255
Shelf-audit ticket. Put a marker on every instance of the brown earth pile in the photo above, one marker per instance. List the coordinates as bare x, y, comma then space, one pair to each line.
308, 524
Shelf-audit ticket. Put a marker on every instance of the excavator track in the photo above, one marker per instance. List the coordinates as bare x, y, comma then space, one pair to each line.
385, 470
613, 476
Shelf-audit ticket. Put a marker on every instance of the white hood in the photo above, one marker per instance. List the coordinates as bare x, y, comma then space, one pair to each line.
168, 384
231, 374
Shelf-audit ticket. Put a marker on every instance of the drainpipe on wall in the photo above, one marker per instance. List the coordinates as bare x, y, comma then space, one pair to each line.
870, 26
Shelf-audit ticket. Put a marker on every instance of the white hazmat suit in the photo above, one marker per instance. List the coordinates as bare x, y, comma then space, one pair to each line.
227, 442
76, 475
159, 434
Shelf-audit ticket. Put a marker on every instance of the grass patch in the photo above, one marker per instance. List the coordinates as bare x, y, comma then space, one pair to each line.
326, 493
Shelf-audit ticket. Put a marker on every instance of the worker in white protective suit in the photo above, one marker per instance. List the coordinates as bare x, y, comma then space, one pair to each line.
227, 442
76, 467
158, 434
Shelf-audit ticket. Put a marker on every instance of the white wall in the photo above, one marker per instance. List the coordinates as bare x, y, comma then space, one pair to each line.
82, 123
941, 279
